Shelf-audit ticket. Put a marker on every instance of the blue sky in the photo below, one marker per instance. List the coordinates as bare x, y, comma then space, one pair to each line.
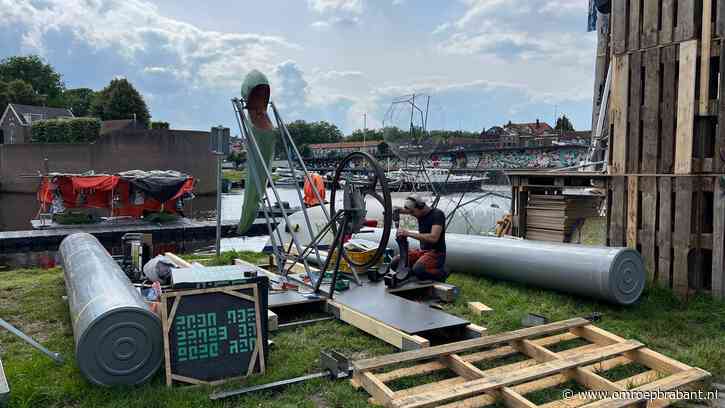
484, 62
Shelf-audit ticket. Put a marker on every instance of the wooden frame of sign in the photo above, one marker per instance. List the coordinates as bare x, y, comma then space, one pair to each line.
167, 319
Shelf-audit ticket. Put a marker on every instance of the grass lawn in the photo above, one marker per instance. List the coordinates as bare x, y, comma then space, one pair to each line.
31, 299
234, 175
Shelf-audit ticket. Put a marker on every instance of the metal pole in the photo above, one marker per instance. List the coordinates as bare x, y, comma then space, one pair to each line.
251, 141
53, 355
218, 203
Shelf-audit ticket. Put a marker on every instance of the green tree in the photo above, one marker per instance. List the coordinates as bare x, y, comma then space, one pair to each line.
74, 130
564, 124
159, 125
120, 100
17, 91
238, 158
79, 100
47, 83
368, 135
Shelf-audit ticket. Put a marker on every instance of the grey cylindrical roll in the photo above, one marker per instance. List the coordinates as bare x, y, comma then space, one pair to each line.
616, 275
118, 339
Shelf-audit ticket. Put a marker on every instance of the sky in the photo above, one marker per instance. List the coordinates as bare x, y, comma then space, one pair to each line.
482, 62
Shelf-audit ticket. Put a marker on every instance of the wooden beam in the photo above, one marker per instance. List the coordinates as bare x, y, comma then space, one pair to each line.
667, 111
705, 57
478, 308
618, 217
471, 388
649, 224
651, 109
619, 26
632, 207
664, 233
668, 383
718, 241
378, 329
466, 345
634, 129
719, 153
462, 367
635, 10
618, 112
498, 352
668, 21
681, 238
686, 20
380, 392
650, 22
684, 139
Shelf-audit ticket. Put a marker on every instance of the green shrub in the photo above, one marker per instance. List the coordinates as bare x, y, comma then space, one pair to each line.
75, 130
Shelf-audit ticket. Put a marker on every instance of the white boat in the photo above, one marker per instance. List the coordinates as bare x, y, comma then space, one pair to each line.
441, 179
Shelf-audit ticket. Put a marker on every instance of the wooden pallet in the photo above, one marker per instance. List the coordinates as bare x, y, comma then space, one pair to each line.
542, 368
678, 225
642, 24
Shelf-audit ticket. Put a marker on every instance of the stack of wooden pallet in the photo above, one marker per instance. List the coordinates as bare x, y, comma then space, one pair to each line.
554, 217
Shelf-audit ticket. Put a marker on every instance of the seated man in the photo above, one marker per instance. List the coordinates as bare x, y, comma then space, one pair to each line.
426, 263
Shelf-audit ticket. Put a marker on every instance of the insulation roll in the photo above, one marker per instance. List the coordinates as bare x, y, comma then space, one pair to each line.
616, 275
118, 338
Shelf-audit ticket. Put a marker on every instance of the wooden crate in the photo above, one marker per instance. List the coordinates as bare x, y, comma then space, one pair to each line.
479, 381
677, 224
665, 111
642, 24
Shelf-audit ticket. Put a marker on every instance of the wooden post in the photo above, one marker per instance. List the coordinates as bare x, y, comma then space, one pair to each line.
664, 234
667, 114
632, 216
686, 108
618, 114
718, 240
681, 239
650, 110
618, 216
649, 224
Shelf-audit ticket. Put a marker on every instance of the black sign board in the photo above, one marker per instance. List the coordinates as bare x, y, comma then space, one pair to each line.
215, 334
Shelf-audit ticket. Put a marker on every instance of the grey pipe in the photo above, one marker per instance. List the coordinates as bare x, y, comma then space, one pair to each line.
616, 275
118, 339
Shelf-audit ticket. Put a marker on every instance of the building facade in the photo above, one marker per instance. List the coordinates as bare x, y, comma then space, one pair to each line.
17, 120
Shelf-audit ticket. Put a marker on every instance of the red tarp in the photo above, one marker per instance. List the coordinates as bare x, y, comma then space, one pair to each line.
98, 191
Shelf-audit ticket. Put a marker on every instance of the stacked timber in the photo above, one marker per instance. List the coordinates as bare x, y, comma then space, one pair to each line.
554, 217
667, 142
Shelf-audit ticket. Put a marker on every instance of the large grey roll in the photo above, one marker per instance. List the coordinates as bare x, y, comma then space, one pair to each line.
118, 338
616, 275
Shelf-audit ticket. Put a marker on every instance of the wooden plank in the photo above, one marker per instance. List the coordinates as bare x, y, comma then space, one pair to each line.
581, 398
513, 399
686, 108
272, 320
462, 367
645, 356
672, 382
538, 371
619, 112
380, 392
635, 28
478, 308
719, 153
650, 23
453, 348
651, 110
619, 26
378, 329
634, 147
668, 22
632, 216
618, 217
553, 381
498, 352
668, 111
649, 224
681, 237
664, 233
718, 240
705, 44
686, 27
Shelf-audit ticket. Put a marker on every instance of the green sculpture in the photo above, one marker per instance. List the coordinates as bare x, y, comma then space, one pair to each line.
255, 93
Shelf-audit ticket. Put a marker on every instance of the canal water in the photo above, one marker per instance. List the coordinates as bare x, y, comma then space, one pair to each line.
476, 217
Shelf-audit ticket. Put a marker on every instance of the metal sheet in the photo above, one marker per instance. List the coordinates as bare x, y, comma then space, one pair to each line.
616, 275
373, 300
118, 339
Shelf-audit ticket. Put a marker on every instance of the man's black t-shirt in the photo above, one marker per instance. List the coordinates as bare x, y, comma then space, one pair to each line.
425, 225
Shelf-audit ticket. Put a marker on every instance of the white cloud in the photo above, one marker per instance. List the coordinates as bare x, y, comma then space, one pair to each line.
441, 28
135, 30
336, 6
